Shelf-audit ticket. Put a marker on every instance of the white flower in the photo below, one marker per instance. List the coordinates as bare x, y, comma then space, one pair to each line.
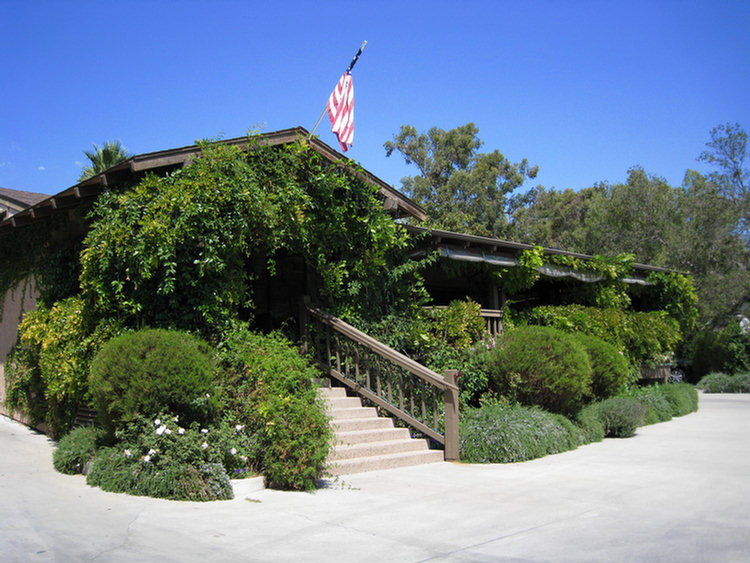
180, 431
204, 445
167, 431
161, 430
239, 427
151, 452
127, 453
204, 431
146, 458
233, 451
208, 396
177, 418
157, 422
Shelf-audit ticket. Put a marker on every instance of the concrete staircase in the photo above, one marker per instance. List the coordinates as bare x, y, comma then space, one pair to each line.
366, 442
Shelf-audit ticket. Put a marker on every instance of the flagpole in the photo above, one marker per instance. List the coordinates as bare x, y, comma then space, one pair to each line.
349, 68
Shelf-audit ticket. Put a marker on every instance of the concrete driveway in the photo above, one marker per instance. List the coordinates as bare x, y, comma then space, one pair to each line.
677, 491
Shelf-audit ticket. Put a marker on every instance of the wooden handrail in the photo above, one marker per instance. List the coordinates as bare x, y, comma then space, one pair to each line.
381, 349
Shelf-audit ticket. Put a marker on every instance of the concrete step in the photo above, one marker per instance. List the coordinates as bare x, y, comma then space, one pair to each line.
390, 461
352, 424
344, 403
354, 412
376, 435
332, 392
379, 448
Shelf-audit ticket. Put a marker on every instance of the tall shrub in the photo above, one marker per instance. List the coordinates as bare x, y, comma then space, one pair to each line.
541, 366
266, 384
151, 371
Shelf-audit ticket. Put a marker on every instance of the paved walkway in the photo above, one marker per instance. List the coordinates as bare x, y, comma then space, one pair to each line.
677, 491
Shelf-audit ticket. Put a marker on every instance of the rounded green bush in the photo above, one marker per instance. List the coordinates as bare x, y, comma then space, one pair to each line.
76, 449
621, 416
152, 371
541, 366
610, 370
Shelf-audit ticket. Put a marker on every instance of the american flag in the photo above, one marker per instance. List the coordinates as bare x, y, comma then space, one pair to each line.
341, 110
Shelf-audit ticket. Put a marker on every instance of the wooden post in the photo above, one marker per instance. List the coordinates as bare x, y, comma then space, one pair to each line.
304, 324
451, 416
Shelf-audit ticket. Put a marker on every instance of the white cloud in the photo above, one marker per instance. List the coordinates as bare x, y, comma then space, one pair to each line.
41, 168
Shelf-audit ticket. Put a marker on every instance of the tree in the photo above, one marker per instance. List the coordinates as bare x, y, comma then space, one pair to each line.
551, 218
102, 158
641, 216
460, 188
727, 149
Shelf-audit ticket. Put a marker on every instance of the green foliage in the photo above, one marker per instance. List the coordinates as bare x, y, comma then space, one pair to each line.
509, 433
643, 337
676, 295
609, 369
46, 374
77, 448
727, 150
459, 325
266, 385
461, 189
470, 362
540, 366
173, 251
452, 337
150, 371
621, 416
525, 274
424, 331
727, 350
41, 256
718, 382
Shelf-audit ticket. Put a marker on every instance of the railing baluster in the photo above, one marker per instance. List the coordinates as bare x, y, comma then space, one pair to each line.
337, 342
400, 373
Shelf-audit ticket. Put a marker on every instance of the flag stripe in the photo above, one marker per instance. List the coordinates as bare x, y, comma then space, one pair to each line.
341, 111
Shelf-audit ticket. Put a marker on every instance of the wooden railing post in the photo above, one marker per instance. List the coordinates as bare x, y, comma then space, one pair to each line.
304, 323
451, 415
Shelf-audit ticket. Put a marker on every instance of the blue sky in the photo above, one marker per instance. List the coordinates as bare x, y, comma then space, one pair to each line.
584, 89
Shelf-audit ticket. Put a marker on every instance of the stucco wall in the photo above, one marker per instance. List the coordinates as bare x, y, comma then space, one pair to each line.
17, 301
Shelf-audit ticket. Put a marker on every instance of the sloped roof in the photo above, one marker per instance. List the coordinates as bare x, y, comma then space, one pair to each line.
13, 201
394, 201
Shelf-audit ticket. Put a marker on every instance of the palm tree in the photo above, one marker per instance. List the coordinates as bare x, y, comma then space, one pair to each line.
101, 158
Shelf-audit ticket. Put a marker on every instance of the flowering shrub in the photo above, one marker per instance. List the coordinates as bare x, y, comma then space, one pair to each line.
160, 457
